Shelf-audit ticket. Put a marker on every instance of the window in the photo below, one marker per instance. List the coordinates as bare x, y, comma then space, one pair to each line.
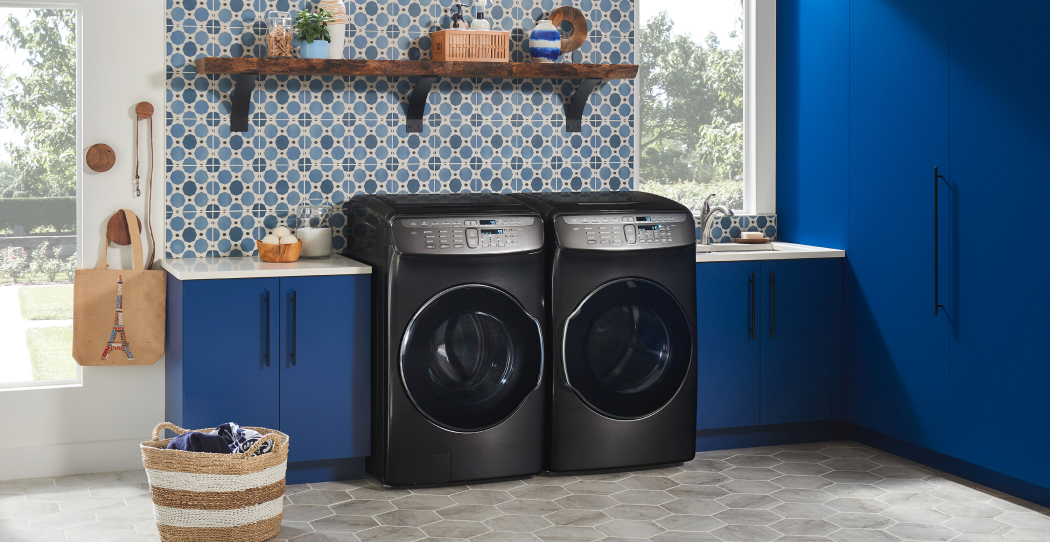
703, 75
38, 189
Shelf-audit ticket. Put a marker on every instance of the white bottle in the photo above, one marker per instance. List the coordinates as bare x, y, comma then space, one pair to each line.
480, 22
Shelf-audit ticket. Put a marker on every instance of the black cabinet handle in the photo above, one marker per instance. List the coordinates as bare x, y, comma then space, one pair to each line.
751, 314
773, 305
267, 302
936, 243
295, 326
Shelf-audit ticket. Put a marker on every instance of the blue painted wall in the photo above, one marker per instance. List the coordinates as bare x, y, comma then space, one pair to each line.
813, 122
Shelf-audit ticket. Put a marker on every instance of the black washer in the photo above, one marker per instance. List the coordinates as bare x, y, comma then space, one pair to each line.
467, 357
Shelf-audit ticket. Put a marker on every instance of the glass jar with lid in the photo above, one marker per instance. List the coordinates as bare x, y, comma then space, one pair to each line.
279, 34
314, 231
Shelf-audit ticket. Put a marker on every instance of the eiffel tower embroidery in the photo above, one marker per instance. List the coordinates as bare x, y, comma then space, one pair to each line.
118, 326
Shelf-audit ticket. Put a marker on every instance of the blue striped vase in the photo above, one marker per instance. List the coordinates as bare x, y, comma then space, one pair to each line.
545, 42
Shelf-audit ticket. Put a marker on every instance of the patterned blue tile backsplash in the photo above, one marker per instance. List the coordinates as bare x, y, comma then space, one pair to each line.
729, 227
324, 139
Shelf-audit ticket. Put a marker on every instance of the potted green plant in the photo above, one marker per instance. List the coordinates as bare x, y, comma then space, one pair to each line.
313, 33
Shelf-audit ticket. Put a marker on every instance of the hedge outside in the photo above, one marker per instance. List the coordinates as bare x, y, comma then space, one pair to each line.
33, 213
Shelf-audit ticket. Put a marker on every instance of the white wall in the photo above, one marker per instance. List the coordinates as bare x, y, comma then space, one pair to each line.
97, 427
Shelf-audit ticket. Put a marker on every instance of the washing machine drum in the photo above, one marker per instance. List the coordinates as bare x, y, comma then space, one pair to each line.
470, 357
626, 348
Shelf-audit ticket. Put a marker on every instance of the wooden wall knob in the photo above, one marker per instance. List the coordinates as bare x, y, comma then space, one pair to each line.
144, 110
117, 229
580, 28
100, 157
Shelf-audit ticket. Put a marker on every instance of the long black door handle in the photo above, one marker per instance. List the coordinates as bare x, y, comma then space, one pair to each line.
936, 242
773, 305
751, 315
267, 333
295, 326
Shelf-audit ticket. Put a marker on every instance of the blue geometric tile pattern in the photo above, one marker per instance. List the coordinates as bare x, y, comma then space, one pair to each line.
729, 227
324, 139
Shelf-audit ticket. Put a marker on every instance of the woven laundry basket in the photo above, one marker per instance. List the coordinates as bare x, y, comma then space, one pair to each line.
216, 497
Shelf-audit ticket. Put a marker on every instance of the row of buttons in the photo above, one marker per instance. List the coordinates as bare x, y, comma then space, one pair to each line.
617, 220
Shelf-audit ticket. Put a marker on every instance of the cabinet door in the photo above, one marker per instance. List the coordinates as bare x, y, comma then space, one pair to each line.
325, 366
1000, 153
896, 359
727, 347
226, 375
796, 341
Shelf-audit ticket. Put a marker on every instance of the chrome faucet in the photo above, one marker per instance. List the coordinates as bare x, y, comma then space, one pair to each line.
707, 216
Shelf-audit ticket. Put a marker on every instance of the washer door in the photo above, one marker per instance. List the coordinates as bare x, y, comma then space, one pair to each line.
626, 348
470, 357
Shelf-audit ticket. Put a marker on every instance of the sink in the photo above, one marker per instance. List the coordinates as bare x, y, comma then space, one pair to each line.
735, 247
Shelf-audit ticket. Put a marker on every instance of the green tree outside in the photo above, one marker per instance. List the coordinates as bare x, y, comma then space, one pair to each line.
41, 105
692, 116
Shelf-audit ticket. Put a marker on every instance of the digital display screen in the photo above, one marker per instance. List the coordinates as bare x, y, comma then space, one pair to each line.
653, 227
487, 222
491, 232
643, 219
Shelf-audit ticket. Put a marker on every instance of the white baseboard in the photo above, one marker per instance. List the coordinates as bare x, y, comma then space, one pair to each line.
64, 459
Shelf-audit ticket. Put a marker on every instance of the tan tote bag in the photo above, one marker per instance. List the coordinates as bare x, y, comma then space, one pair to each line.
119, 314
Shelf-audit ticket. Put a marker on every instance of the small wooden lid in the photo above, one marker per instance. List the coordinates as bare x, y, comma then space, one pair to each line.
100, 157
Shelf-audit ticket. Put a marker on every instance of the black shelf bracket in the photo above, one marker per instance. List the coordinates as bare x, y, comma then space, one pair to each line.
574, 109
417, 103
241, 101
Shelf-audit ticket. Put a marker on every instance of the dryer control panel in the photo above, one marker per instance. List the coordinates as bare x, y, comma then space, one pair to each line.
625, 231
468, 235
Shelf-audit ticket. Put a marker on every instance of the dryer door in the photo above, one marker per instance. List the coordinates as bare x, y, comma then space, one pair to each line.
626, 348
470, 357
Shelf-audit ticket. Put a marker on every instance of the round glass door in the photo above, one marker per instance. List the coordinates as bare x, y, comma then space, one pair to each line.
626, 348
470, 357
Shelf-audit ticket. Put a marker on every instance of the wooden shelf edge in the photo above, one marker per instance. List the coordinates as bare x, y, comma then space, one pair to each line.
412, 68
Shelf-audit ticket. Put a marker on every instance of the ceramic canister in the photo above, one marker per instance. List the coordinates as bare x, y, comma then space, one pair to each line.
337, 27
545, 42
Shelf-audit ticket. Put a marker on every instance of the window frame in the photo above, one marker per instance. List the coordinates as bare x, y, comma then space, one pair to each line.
78, 381
760, 108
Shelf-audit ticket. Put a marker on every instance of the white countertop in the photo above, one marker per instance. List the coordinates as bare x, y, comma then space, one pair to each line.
250, 267
781, 251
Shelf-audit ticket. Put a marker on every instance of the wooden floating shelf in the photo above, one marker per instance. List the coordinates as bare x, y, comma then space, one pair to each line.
428, 71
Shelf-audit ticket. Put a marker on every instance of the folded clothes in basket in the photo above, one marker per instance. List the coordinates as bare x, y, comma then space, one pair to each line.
200, 442
228, 438
241, 440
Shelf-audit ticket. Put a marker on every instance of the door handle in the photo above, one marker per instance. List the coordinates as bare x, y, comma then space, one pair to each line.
936, 242
773, 305
295, 326
267, 303
751, 314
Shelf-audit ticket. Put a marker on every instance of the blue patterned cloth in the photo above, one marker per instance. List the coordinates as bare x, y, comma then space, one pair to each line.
200, 442
241, 440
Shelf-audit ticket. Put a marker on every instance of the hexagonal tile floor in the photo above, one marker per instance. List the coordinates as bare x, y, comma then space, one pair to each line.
828, 491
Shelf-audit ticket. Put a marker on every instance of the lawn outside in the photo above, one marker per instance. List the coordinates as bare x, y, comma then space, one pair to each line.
37, 322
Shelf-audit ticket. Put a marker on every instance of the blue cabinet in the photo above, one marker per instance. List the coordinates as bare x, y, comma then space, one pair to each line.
764, 342
284, 353
1000, 153
797, 340
728, 344
896, 355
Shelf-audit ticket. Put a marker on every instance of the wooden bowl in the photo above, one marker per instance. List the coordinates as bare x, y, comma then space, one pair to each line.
279, 253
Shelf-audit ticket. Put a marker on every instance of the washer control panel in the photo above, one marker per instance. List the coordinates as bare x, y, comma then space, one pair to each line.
465, 235
625, 232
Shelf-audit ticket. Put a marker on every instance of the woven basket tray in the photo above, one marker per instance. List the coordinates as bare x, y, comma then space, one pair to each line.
204, 497
470, 46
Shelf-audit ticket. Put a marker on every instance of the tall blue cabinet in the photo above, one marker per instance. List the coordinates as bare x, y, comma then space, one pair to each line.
1000, 152
285, 353
942, 330
896, 343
